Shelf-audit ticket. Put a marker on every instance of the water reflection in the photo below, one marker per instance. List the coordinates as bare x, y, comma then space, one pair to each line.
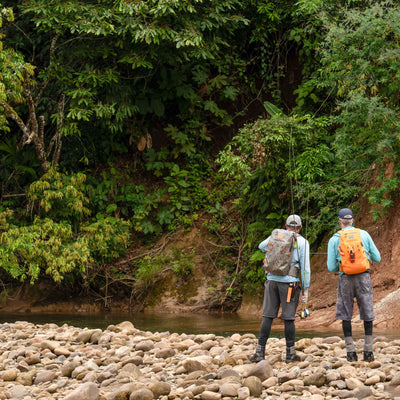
219, 324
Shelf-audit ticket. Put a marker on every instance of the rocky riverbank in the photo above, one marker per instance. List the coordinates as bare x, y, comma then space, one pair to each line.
122, 363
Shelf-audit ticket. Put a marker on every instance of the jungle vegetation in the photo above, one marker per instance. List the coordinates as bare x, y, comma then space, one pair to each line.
122, 121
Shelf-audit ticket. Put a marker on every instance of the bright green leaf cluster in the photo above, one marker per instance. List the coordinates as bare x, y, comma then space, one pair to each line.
43, 246
63, 242
60, 196
108, 238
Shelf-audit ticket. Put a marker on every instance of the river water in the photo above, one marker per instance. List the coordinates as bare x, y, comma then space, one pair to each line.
219, 324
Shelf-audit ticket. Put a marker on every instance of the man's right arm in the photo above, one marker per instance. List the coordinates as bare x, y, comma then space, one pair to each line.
332, 251
264, 244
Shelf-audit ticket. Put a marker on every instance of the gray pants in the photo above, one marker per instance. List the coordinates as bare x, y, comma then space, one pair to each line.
355, 286
275, 295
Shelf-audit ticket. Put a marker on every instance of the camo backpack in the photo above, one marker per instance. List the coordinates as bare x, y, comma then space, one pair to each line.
278, 254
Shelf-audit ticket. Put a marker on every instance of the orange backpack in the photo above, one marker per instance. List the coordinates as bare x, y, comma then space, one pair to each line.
352, 253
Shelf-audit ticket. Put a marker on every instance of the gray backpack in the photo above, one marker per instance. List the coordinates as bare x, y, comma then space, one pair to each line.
278, 254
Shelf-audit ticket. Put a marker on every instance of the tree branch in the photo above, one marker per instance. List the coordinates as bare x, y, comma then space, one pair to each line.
14, 116
32, 121
58, 141
44, 85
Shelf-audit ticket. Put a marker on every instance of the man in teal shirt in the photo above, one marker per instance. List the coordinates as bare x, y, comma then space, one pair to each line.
276, 289
357, 286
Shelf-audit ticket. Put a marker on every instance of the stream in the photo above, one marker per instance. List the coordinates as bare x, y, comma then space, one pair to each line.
219, 324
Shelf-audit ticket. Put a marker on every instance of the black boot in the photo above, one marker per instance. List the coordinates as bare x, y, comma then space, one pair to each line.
259, 354
368, 356
352, 356
291, 355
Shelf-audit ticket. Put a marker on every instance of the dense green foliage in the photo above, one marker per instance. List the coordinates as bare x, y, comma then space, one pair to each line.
59, 241
124, 121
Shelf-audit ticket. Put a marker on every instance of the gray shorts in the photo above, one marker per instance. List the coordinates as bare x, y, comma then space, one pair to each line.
275, 295
355, 286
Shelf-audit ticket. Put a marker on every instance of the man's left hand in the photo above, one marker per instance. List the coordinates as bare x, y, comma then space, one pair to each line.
304, 296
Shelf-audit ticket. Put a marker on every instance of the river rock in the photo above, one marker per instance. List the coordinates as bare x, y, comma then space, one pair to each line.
104, 338
243, 393
347, 371
122, 392
286, 375
132, 370
160, 388
228, 372
165, 353
66, 369
395, 381
261, 370
361, 392
26, 378
229, 389
372, 380
146, 345
125, 327
10, 374
141, 394
254, 384
86, 391
44, 376
332, 339
209, 395
32, 358
197, 363
272, 381
85, 335
17, 392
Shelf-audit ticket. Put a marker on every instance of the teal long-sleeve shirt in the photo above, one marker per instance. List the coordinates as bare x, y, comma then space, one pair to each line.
333, 252
301, 256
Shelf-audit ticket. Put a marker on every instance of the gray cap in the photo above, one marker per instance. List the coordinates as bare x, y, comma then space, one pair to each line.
293, 220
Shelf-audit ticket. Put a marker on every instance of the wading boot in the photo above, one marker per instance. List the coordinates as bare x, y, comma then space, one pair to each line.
291, 355
259, 354
369, 356
352, 356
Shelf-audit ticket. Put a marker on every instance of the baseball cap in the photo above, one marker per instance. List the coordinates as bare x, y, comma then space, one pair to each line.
345, 213
293, 220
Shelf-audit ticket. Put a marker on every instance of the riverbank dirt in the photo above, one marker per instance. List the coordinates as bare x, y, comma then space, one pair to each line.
64, 362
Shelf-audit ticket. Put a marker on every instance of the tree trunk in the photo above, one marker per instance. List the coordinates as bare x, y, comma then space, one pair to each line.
33, 131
